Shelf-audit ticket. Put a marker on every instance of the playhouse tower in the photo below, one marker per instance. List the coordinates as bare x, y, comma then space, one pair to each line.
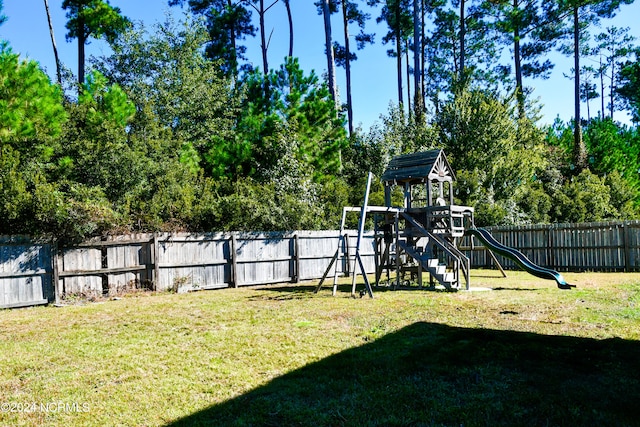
422, 234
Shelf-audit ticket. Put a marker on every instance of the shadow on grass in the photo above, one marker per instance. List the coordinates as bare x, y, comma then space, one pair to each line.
432, 374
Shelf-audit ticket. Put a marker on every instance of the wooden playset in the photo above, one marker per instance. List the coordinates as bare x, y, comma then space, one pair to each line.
424, 233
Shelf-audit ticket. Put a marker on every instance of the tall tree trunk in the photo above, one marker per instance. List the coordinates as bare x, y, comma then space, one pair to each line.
399, 53
417, 69
601, 89
406, 59
82, 40
518, 66
579, 151
423, 55
232, 39
53, 43
331, 63
347, 65
263, 39
463, 33
287, 4
612, 86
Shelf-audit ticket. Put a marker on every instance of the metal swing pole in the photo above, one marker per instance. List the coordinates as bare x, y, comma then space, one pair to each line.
363, 216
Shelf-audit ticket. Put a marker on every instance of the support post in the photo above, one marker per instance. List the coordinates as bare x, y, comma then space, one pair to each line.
336, 255
56, 275
342, 240
156, 261
347, 256
497, 263
296, 258
363, 217
234, 261
397, 219
625, 245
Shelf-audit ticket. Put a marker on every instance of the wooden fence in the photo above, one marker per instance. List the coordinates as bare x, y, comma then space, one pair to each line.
35, 272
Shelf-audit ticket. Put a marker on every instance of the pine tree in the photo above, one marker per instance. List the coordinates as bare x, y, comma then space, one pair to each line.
616, 44
582, 14
92, 18
228, 22
532, 34
344, 55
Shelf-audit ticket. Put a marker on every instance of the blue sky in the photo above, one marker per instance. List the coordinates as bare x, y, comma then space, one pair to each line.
374, 75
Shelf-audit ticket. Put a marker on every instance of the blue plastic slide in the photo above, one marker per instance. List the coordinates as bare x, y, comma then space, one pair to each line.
518, 257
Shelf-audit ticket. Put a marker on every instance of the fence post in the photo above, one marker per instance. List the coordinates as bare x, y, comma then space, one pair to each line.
234, 261
156, 261
296, 258
625, 242
552, 260
55, 275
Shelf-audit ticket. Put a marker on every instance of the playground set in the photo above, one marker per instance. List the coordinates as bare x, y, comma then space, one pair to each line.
424, 234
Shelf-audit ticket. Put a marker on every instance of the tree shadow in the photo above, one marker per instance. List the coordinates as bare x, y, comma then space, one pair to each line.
432, 374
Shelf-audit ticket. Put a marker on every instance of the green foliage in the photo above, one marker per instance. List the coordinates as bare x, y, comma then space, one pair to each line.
31, 111
176, 88
247, 205
629, 87
13, 189
105, 103
402, 133
227, 23
288, 102
92, 18
585, 197
97, 152
495, 155
613, 148
613, 179
624, 196
31, 118
476, 128
164, 138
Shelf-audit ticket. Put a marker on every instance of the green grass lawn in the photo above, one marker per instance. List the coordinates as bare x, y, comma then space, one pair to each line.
524, 354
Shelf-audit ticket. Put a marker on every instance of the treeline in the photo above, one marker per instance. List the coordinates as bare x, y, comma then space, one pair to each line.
165, 135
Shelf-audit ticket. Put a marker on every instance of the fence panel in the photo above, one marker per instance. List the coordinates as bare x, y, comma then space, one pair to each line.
79, 269
265, 258
129, 262
25, 272
193, 261
316, 251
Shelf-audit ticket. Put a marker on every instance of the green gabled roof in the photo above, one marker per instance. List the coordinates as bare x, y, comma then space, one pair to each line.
416, 167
